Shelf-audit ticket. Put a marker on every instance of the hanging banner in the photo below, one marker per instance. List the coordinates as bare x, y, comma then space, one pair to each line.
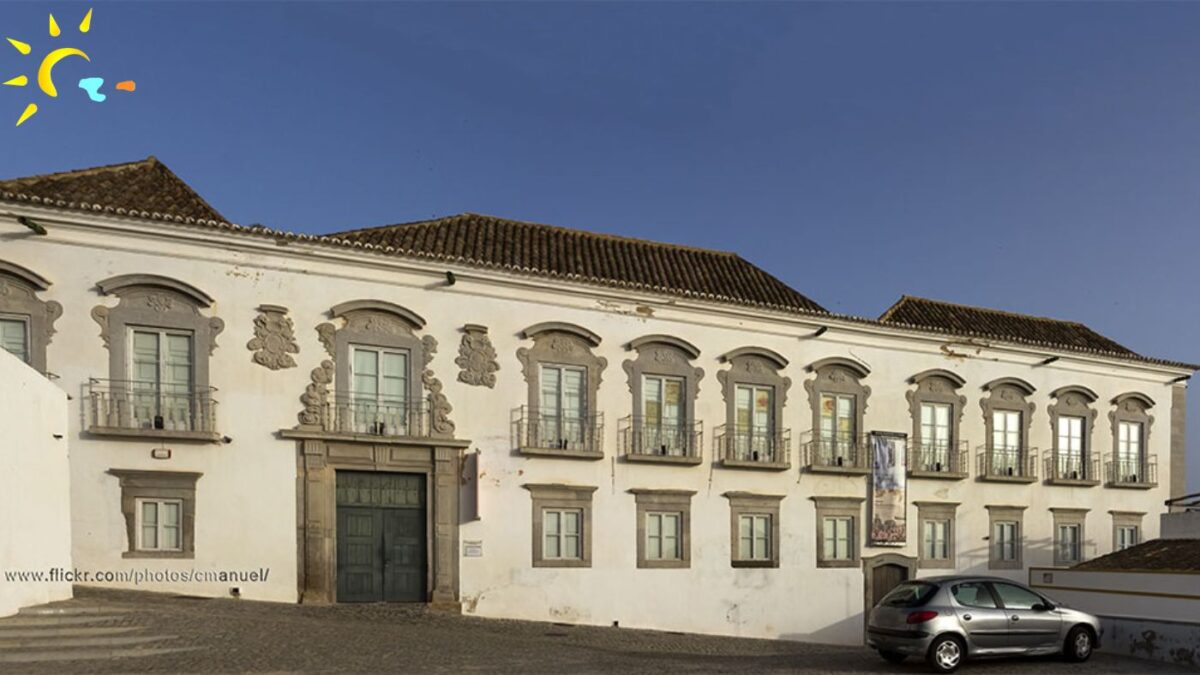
889, 489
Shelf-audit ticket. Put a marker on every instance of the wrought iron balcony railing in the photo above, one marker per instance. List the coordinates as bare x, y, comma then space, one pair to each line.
838, 453
1072, 470
354, 413
540, 433
745, 446
642, 438
939, 460
132, 407
1007, 464
1132, 472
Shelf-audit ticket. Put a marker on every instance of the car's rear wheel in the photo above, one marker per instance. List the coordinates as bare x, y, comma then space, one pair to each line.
892, 657
1080, 644
946, 653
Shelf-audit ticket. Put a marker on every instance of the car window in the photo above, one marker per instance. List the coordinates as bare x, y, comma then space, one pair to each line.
1015, 597
973, 594
912, 594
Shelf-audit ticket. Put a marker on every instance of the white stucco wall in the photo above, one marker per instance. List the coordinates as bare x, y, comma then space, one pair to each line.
1145, 614
35, 517
246, 498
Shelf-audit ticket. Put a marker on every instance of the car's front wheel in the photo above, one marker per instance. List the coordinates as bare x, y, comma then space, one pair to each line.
1080, 644
946, 654
892, 657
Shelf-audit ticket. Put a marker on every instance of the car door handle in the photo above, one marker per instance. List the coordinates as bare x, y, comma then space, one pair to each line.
966, 617
1016, 618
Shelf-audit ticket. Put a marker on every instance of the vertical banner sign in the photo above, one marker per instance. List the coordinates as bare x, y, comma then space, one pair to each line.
889, 489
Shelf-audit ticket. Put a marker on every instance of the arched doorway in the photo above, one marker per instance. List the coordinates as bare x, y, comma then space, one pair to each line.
881, 573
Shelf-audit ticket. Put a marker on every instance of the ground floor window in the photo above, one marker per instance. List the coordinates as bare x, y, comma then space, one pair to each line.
562, 523
158, 524
935, 539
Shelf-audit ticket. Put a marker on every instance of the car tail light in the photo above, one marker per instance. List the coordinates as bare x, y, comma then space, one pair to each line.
921, 617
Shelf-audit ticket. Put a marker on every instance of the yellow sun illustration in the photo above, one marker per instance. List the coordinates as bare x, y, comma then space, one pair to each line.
45, 70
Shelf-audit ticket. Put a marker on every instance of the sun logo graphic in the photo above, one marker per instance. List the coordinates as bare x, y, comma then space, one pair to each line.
45, 71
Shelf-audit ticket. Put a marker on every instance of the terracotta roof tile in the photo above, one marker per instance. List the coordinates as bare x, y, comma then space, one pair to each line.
1157, 555
995, 323
550, 251
146, 185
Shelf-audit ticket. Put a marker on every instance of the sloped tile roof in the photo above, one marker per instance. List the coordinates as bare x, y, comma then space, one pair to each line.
550, 251
147, 189
145, 185
1156, 555
995, 323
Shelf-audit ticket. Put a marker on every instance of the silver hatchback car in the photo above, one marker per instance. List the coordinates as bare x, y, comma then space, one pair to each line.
949, 619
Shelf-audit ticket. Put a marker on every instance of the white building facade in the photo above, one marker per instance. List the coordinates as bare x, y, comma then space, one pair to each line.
359, 422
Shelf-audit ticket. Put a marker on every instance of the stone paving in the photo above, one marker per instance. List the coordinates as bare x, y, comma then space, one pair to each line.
160, 633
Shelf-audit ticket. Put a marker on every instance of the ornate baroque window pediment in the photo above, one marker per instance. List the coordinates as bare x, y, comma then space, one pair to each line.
383, 325
20, 304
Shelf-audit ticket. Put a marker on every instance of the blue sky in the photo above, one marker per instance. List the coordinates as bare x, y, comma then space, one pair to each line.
1036, 157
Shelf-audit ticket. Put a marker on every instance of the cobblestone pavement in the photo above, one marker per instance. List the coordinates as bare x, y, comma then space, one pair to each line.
205, 636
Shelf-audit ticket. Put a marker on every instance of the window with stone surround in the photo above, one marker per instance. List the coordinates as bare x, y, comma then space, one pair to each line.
159, 344
160, 512
1007, 415
1070, 543
1072, 419
753, 529
1006, 542
936, 522
562, 375
664, 385
1127, 529
26, 321
664, 523
562, 524
936, 407
755, 392
839, 528
1130, 464
838, 400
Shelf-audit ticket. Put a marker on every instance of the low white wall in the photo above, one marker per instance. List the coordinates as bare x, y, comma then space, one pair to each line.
35, 512
1182, 525
1145, 614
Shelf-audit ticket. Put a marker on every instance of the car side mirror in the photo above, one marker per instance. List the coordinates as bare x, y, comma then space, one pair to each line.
1043, 607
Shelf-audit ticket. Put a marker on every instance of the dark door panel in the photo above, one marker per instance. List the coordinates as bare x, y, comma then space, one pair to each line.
359, 554
381, 538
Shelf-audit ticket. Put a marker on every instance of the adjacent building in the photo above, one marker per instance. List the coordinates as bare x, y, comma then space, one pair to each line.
520, 420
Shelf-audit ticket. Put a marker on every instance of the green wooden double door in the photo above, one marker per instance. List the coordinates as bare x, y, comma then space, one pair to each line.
381, 544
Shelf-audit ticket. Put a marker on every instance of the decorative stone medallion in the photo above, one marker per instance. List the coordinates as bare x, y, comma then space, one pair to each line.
477, 357
274, 339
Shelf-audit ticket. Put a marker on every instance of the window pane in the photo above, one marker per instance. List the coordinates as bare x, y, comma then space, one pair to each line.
149, 525
745, 537
395, 377
652, 399
14, 338
1015, 597
366, 373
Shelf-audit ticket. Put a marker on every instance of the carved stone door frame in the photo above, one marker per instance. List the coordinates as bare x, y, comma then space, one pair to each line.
319, 458
869, 565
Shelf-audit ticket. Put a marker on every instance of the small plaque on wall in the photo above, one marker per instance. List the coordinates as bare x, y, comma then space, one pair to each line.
472, 549
161, 453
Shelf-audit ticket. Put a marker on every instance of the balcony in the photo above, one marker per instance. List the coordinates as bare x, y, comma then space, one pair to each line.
939, 461
352, 414
1072, 471
848, 455
150, 410
654, 442
1132, 474
746, 448
1007, 465
570, 437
